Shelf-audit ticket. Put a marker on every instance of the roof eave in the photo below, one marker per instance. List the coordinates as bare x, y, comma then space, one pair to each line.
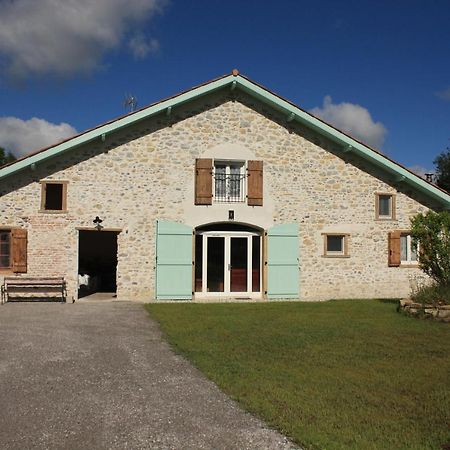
31, 160
293, 113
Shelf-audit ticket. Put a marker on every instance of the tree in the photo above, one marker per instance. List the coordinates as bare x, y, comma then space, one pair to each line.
6, 157
431, 234
442, 163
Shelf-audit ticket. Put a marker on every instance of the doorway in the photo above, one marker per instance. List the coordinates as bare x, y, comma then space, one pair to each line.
97, 262
228, 262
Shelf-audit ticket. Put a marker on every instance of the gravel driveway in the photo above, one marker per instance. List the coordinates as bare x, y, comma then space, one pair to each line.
98, 375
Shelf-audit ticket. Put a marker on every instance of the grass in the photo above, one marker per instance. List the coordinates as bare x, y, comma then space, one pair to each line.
334, 375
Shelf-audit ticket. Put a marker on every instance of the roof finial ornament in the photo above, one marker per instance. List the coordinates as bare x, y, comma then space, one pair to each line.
235, 72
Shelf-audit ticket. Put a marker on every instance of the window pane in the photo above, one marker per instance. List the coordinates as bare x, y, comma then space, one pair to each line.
234, 186
5, 249
239, 264
235, 170
413, 253
384, 205
216, 264
220, 182
335, 244
54, 196
220, 169
404, 248
413, 250
4, 261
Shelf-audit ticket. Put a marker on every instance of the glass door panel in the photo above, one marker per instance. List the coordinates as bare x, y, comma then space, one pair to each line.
256, 263
216, 264
198, 263
238, 264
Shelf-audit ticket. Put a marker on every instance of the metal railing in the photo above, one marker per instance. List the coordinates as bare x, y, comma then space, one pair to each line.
229, 188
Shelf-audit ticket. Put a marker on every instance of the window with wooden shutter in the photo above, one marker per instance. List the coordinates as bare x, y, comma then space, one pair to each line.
203, 181
394, 249
5, 249
19, 250
255, 183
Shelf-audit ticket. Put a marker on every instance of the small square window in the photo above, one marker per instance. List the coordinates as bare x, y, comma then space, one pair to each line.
336, 245
53, 196
385, 206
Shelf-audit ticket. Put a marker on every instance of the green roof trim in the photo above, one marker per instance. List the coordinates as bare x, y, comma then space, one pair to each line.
236, 81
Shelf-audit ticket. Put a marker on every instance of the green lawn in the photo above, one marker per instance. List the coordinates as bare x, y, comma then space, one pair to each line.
332, 375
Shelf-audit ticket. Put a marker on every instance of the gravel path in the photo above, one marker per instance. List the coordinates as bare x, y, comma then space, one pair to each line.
99, 376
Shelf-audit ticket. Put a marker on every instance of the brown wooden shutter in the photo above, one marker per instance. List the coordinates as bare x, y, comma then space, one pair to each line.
19, 250
394, 249
255, 183
203, 181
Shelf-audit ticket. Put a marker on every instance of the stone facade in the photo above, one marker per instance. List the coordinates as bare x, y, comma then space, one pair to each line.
145, 172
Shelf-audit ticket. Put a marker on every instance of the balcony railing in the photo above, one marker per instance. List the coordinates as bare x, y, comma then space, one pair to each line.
229, 188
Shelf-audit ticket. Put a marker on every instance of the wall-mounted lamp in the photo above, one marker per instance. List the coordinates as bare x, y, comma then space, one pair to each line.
230, 214
98, 223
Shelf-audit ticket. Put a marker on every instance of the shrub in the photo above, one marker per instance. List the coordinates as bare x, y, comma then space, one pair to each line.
432, 294
431, 232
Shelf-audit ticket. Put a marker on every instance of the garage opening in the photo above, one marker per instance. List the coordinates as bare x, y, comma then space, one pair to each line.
97, 262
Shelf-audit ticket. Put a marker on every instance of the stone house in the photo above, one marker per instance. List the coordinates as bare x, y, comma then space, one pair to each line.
225, 190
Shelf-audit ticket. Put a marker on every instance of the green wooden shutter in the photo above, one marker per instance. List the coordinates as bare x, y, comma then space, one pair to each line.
283, 261
173, 261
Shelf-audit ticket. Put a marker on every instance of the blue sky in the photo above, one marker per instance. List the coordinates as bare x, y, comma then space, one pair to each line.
377, 69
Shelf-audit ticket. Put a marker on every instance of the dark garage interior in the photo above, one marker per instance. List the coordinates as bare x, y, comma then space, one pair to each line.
97, 262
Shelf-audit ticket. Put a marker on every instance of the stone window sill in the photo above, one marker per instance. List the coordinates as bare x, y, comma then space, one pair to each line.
52, 211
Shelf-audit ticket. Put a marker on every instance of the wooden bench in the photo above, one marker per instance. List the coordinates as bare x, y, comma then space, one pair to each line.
21, 288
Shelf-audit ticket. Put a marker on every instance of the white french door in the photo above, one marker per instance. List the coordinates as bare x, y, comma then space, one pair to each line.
228, 264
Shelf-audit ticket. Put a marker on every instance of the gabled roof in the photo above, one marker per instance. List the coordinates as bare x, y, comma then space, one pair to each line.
233, 81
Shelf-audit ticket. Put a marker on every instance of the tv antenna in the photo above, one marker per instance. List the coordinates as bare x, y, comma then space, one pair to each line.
130, 102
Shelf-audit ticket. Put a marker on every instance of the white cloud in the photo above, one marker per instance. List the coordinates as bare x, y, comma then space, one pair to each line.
444, 95
65, 37
24, 136
353, 119
140, 46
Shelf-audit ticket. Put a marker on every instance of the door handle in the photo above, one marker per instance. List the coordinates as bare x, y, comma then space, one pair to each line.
229, 267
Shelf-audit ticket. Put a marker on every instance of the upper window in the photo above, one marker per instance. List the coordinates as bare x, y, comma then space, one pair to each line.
408, 253
5, 249
229, 185
336, 245
226, 181
385, 206
53, 196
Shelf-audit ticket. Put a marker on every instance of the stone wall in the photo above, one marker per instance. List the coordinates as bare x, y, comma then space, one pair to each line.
441, 313
146, 172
